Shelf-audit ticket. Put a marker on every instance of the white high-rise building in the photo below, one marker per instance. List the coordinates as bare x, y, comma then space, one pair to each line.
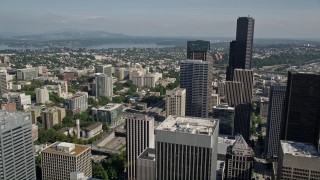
22, 100
176, 102
77, 103
4, 82
186, 148
16, 152
140, 135
42, 95
104, 86
105, 69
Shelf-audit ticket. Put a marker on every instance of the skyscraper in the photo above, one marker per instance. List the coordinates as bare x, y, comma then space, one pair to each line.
244, 76
140, 135
233, 93
199, 50
104, 85
186, 148
176, 102
16, 152
239, 160
276, 108
241, 49
225, 114
238, 94
302, 113
196, 79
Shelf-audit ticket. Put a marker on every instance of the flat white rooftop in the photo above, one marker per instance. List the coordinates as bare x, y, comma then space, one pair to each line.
299, 149
109, 107
191, 125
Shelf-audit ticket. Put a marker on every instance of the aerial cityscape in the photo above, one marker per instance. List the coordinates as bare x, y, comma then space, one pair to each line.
159, 90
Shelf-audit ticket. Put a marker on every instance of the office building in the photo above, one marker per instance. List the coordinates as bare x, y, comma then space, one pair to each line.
140, 135
60, 159
233, 93
112, 114
104, 86
146, 165
104, 69
176, 102
244, 76
199, 50
264, 104
22, 100
186, 148
27, 74
240, 54
52, 116
196, 79
276, 107
302, 113
225, 114
242, 120
42, 95
77, 103
4, 82
298, 161
16, 152
119, 73
150, 80
239, 160
221, 89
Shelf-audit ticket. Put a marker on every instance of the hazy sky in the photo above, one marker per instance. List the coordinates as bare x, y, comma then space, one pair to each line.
215, 18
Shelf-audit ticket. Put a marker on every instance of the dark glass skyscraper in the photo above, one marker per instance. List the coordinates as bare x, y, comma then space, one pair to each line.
240, 54
302, 113
199, 50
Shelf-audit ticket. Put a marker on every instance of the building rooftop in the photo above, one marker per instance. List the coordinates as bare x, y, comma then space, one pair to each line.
199, 45
9, 120
191, 125
109, 107
299, 149
74, 149
223, 106
148, 154
93, 126
139, 116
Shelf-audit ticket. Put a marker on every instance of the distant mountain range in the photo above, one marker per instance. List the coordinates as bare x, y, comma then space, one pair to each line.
66, 35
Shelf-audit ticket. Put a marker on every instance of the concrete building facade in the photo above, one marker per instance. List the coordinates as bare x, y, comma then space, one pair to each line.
186, 148
146, 165
42, 95
60, 159
140, 135
239, 160
104, 86
298, 161
176, 102
196, 78
17, 151
77, 103
52, 116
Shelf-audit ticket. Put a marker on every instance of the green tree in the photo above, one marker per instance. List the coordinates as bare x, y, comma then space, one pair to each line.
104, 101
